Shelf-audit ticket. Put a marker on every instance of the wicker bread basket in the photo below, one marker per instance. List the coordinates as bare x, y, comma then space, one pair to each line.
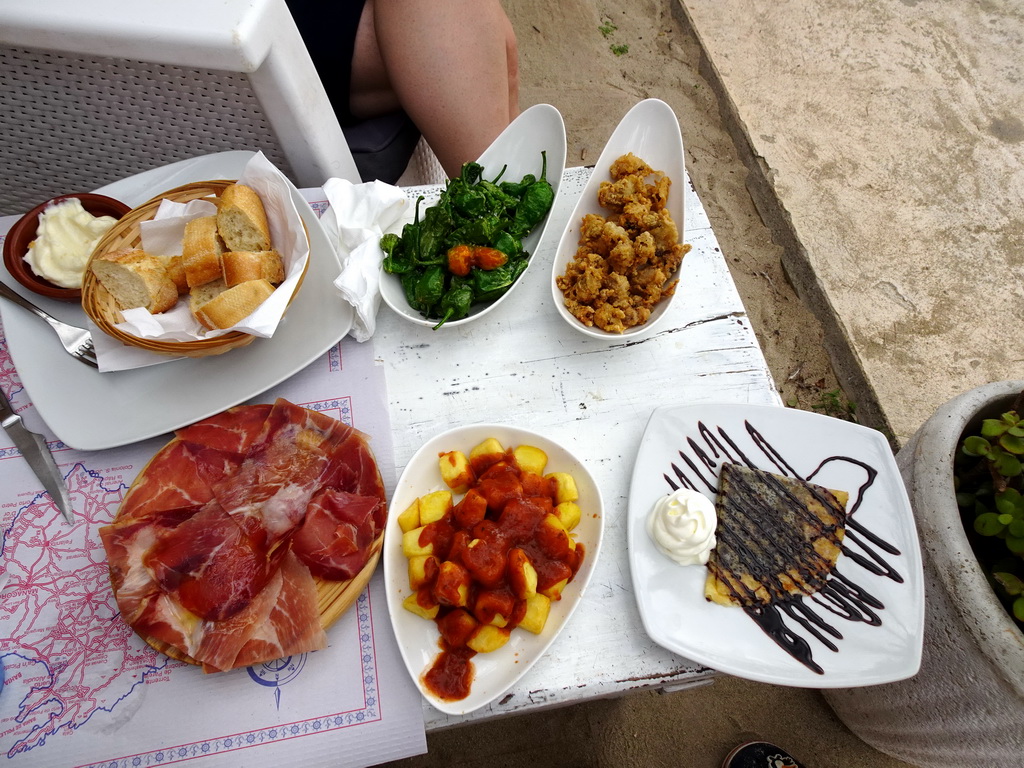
100, 306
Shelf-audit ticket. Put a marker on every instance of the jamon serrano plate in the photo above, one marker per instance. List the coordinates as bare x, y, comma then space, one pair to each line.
418, 638
879, 642
247, 535
128, 406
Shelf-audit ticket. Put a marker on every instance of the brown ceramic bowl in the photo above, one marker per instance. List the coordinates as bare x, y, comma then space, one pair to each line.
24, 232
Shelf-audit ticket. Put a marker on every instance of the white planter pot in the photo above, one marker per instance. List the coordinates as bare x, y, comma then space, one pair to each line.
966, 705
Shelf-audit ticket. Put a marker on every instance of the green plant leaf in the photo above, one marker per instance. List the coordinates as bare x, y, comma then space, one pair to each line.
1018, 608
1007, 464
988, 524
964, 500
1016, 528
1017, 431
1010, 582
1012, 444
1015, 544
993, 427
976, 446
1010, 502
1011, 418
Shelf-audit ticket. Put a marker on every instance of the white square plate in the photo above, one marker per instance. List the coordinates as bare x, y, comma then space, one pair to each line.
686, 446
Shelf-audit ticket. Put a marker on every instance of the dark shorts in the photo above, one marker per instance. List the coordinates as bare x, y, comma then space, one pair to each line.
329, 31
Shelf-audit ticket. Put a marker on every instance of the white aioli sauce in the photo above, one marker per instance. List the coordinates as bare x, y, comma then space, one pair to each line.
682, 526
66, 235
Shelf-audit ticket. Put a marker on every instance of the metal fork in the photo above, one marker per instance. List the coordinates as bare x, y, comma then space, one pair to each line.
77, 341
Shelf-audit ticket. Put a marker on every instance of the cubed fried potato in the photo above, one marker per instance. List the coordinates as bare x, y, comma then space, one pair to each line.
488, 447
521, 574
435, 506
485, 560
485, 454
565, 486
460, 541
411, 545
530, 458
457, 627
422, 570
536, 485
410, 518
554, 540
554, 592
421, 604
471, 510
494, 606
456, 470
569, 513
487, 638
537, 609
452, 585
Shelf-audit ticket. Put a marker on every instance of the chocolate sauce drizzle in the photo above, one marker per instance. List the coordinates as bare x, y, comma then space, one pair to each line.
835, 593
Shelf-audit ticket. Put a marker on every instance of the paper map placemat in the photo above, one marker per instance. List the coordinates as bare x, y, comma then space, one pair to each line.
81, 689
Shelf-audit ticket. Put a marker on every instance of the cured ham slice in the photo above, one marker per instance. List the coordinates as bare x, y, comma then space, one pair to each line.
281, 621
338, 531
209, 564
162, 485
233, 430
240, 529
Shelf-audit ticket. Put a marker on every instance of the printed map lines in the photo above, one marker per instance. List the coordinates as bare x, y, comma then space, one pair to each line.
59, 623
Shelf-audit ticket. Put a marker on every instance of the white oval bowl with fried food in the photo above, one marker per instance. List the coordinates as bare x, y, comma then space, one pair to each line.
650, 130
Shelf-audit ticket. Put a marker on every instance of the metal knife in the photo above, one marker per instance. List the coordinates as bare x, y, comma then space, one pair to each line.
37, 454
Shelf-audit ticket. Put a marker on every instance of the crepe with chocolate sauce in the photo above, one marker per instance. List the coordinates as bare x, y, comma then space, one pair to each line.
778, 537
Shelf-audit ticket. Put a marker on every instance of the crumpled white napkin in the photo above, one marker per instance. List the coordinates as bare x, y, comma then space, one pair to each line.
358, 216
163, 234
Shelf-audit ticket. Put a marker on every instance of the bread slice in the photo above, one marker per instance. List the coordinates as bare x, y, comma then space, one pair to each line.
176, 271
241, 266
232, 305
201, 294
201, 248
242, 219
136, 279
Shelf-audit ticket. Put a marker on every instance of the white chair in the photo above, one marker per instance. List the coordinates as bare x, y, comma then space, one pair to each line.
94, 91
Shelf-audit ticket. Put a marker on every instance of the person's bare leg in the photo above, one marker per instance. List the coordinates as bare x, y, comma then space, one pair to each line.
452, 64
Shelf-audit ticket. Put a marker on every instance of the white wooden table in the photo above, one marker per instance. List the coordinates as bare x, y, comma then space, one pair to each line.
523, 365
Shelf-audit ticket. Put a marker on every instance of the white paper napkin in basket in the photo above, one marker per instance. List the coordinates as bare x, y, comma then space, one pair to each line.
163, 234
358, 216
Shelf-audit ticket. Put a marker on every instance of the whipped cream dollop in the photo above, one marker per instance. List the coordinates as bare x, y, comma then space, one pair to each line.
65, 238
682, 526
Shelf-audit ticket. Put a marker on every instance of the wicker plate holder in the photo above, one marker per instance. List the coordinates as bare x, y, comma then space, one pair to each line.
100, 306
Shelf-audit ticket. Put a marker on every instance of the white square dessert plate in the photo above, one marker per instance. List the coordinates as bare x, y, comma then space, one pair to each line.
686, 446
